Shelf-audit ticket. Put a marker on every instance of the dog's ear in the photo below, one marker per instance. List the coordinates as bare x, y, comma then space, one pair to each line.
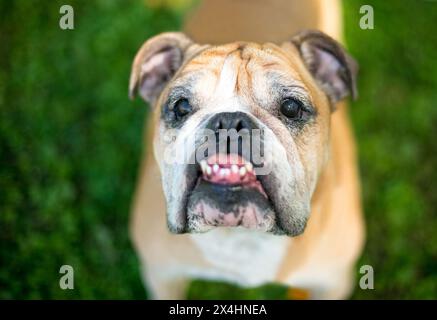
334, 70
155, 64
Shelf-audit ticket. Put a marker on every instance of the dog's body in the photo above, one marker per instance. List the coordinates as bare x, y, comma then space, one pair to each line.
321, 259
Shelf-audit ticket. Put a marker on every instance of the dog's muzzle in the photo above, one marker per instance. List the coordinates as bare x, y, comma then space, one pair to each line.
228, 191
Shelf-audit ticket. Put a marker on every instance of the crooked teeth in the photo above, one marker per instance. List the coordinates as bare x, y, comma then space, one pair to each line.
243, 171
203, 166
249, 167
234, 168
208, 170
222, 172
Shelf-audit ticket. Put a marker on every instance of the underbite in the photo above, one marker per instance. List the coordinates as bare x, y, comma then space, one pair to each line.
230, 170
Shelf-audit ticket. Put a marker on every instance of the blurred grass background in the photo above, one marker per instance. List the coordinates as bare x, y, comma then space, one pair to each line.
70, 144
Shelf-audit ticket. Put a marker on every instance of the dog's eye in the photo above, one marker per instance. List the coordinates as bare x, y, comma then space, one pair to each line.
181, 108
292, 109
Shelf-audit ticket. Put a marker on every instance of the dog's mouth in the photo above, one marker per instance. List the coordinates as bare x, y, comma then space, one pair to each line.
228, 193
230, 170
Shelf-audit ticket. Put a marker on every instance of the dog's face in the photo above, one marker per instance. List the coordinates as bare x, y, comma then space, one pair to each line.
273, 101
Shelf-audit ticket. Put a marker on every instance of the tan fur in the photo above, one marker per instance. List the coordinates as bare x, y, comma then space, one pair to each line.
333, 238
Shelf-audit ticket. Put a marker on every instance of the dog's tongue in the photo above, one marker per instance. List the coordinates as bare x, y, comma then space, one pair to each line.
229, 169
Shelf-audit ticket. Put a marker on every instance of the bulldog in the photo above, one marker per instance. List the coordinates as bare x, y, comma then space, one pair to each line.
249, 173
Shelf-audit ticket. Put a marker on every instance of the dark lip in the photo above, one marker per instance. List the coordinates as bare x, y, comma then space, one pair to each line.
192, 173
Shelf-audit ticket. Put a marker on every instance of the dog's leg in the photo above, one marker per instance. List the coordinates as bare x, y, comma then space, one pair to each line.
335, 284
165, 286
342, 289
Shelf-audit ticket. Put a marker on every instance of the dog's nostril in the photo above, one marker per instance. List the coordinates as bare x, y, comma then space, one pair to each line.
231, 121
242, 124
239, 125
218, 125
223, 124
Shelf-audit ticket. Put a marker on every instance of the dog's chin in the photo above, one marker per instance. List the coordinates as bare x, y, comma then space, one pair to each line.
229, 196
213, 205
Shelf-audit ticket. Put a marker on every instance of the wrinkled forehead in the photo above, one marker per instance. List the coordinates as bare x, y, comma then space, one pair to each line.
244, 70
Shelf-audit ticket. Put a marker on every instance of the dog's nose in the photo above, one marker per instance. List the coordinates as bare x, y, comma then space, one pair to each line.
231, 120
244, 127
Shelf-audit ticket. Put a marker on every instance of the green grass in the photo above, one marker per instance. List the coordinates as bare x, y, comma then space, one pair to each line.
395, 122
70, 144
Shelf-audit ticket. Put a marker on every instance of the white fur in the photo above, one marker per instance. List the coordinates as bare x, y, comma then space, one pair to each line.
245, 257
228, 78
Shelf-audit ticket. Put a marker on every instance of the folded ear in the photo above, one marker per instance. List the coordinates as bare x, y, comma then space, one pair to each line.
334, 70
156, 63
